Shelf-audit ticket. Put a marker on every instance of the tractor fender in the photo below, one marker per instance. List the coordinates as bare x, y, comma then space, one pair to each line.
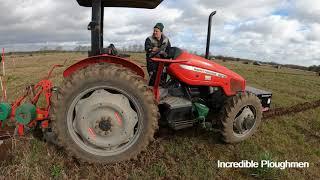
104, 59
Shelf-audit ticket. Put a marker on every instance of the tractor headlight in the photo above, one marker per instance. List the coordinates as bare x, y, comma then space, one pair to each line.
269, 101
236, 85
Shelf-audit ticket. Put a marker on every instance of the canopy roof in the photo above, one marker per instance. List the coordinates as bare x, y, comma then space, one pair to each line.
150, 4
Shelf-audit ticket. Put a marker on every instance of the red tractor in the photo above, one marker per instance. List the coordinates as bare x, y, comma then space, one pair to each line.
105, 112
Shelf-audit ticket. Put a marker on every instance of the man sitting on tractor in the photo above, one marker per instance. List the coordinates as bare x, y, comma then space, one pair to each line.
156, 46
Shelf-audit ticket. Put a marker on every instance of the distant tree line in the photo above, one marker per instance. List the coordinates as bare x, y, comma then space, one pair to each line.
129, 48
292, 66
82, 48
314, 68
139, 48
227, 58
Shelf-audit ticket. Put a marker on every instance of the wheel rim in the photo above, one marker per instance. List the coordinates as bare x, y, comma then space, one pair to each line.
244, 121
104, 121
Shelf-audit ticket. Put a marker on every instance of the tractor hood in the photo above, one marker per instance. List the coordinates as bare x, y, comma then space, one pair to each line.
198, 71
149, 4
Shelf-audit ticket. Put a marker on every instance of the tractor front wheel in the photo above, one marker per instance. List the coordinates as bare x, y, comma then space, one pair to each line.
104, 114
241, 116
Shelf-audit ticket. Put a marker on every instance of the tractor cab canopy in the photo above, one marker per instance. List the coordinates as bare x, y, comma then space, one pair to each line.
149, 4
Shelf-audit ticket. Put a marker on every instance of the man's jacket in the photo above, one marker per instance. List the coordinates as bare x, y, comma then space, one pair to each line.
151, 42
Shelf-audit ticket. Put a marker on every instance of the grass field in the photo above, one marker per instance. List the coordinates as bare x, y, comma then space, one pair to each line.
187, 154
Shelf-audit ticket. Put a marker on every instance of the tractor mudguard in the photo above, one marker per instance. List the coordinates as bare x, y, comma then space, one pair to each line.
104, 59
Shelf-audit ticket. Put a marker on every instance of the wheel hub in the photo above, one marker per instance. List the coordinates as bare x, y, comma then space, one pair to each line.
245, 121
105, 120
105, 125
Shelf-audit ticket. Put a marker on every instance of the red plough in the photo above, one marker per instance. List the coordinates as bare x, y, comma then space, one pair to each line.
25, 113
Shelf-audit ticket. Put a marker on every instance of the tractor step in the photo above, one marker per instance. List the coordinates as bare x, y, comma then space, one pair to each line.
182, 124
176, 102
177, 112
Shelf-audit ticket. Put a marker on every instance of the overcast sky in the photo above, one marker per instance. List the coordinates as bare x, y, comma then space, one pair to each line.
283, 31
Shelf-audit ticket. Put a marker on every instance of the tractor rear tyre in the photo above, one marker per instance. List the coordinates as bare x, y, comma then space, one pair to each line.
104, 113
240, 117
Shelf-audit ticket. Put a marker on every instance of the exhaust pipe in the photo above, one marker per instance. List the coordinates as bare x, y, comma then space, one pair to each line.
209, 34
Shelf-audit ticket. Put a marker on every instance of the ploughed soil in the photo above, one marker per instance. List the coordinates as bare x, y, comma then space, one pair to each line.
291, 110
5, 143
5, 148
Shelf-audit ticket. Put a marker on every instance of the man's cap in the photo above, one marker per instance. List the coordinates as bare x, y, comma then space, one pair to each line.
159, 26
